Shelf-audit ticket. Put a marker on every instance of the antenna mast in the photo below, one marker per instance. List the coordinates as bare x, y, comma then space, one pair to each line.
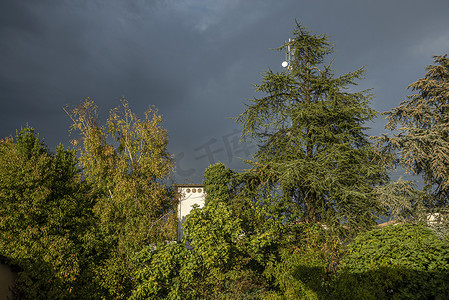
288, 56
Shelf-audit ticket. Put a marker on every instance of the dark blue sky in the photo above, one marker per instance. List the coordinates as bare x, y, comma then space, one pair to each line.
196, 60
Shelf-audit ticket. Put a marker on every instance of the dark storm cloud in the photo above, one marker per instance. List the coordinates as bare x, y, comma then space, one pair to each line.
196, 60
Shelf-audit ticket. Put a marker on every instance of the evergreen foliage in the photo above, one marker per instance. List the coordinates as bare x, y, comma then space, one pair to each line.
421, 146
402, 201
310, 133
423, 124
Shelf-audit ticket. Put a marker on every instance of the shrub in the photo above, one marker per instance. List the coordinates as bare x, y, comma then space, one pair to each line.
305, 265
395, 262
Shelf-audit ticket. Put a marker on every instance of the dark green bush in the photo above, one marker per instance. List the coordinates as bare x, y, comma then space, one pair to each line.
395, 262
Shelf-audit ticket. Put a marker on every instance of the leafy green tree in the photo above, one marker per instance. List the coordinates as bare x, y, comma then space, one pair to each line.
127, 164
232, 234
44, 214
422, 143
231, 239
310, 133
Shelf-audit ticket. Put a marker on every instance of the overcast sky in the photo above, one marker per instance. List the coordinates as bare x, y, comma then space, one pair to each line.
196, 61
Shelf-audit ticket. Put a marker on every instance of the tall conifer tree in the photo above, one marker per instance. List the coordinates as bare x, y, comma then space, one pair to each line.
423, 142
310, 132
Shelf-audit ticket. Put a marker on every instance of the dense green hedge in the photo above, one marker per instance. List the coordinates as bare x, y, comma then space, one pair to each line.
395, 262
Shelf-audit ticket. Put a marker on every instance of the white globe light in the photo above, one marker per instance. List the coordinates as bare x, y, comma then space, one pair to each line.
284, 64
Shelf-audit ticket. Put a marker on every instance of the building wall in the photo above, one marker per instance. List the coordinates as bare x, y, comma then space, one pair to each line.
7, 278
189, 196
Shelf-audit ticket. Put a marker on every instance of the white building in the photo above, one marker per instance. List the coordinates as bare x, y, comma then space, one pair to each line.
189, 195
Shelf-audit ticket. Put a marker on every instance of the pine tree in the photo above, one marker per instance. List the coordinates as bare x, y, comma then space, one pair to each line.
423, 120
310, 134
